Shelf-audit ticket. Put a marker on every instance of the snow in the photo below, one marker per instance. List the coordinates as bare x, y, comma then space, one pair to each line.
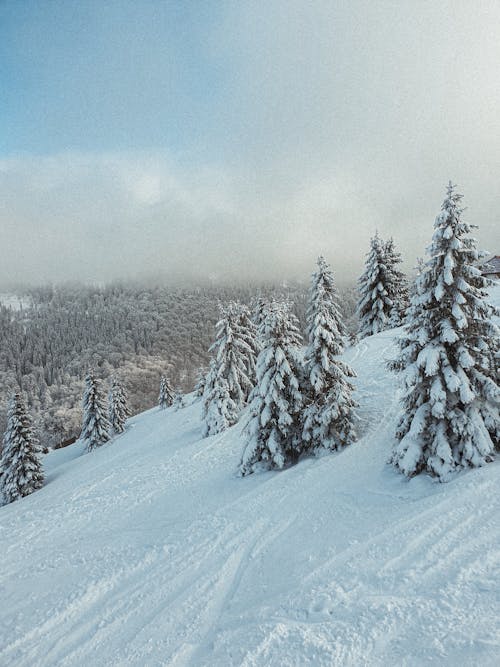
152, 551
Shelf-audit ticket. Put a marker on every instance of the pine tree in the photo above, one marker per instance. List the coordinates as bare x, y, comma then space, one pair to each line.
20, 465
118, 409
232, 361
451, 403
246, 330
201, 380
375, 305
178, 401
328, 418
221, 412
95, 428
260, 311
166, 397
397, 285
274, 430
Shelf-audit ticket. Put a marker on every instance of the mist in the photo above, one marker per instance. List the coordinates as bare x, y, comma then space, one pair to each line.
257, 138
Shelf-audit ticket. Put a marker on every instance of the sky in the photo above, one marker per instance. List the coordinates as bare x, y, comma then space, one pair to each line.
236, 141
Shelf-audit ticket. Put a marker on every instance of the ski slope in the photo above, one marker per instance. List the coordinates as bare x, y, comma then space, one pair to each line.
151, 551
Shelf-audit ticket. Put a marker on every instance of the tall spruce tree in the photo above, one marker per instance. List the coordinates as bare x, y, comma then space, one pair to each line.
450, 417
247, 331
273, 431
397, 284
328, 417
118, 409
166, 396
220, 411
375, 304
232, 355
95, 427
201, 380
20, 465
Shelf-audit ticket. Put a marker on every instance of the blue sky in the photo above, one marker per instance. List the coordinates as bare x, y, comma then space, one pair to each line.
227, 140
103, 76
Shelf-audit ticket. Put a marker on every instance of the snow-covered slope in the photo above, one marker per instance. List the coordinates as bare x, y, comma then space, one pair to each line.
151, 551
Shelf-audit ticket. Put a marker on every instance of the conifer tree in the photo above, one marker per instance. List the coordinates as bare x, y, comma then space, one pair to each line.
118, 409
328, 418
201, 380
397, 285
166, 397
232, 361
246, 330
20, 465
274, 428
375, 304
95, 428
221, 412
450, 417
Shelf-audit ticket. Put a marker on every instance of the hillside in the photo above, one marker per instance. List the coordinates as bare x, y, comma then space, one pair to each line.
151, 551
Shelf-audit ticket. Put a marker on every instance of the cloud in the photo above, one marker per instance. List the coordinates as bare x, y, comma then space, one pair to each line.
318, 123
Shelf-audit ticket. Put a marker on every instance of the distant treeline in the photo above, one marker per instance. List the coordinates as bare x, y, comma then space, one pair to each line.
138, 333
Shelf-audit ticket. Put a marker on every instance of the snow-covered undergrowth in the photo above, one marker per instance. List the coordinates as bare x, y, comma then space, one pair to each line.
151, 551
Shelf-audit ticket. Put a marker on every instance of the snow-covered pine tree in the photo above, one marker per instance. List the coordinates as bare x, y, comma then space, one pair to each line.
95, 427
201, 380
20, 465
246, 330
220, 409
166, 396
451, 402
328, 417
118, 409
375, 305
273, 431
397, 284
259, 314
178, 401
231, 360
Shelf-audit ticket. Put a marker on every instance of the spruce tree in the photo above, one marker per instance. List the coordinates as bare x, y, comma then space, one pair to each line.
20, 465
118, 409
247, 331
397, 285
450, 417
274, 428
232, 355
201, 380
166, 396
375, 304
95, 428
328, 418
221, 411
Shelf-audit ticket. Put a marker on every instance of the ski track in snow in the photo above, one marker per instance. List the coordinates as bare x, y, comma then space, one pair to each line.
151, 551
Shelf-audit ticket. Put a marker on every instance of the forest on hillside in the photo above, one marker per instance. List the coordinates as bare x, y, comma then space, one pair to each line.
135, 332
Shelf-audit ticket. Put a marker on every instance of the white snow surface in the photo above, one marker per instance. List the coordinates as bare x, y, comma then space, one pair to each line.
151, 551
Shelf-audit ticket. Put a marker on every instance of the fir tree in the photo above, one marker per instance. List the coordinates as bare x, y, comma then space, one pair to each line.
273, 430
118, 409
246, 330
232, 361
221, 412
95, 428
166, 397
375, 304
397, 285
178, 401
451, 403
328, 418
201, 380
20, 466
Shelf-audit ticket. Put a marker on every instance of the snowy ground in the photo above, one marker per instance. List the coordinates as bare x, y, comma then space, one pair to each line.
151, 551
